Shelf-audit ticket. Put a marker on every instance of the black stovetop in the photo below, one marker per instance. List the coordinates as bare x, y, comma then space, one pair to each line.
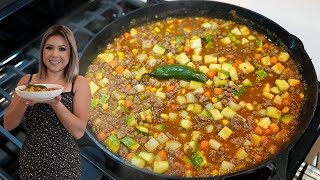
85, 18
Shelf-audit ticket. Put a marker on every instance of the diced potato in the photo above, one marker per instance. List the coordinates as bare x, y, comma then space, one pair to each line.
234, 105
277, 100
209, 128
244, 41
225, 133
184, 84
218, 105
182, 58
161, 95
93, 87
215, 67
133, 32
236, 31
199, 90
215, 144
244, 30
160, 166
162, 138
278, 68
256, 139
225, 40
173, 145
151, 145
146, 44
181, 99
246, 67
210, 59
266, 61
158, 49
195, 84
203, 69
173, 116
264, 122
196, 58
233, 74
228, 112
241, 154
267, 95
293, 82
283, 56
266, 87
190, 98
195, 43
106, 57
226, 165
195, 135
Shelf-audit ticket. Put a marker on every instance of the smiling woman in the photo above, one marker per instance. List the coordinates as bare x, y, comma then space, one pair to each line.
52, 124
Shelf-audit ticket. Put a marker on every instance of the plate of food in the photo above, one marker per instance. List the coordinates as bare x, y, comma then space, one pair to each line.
39, 92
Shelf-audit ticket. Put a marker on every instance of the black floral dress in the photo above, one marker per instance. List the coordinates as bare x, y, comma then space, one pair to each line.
49, 150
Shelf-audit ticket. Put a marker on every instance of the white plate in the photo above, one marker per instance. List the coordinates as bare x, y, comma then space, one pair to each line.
41, 95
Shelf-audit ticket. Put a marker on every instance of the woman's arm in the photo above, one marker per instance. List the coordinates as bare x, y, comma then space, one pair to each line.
75, 122
14, 114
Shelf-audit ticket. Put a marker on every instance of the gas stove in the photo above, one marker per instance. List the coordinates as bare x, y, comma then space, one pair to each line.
85, 18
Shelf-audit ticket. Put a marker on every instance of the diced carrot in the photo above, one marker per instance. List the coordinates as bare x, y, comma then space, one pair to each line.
163, 154
102, 136
238, 61
257, 157
119, 47
264, 139
170, 88
186, 49
235, 65
129, 156
171, 61
274, 60
207, 94
262, 38
217, 91
177, 165
211, 74
274, 128
266, 45
119, 69
258, 56
204, 145
258, 130
173, 106
128, 103
188, 167
113, 63
268, 132
128, 87
148, 88
127, 35
286, 101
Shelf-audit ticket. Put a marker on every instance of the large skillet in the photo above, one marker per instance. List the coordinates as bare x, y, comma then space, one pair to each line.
276, 165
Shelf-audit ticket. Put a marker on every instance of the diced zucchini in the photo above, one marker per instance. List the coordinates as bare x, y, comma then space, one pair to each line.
246, 82
223, 74
266, 87
264, 122
182, 58
244, 30
158, 49
160, 127
232, 37
226, 66
195, 135
234, 105
277, 100
162, 138
131, 121
262, 74
204, 69
241, 154
228, 112
130, 143
195, 84
225, 40
138, 161
198, 159
273, 112
215, 67
190, 146
149, 157
233, 74
106, 57
226, 165
267, 95
236, 31
215, 144
282, 84
278, 68
204, 113
185, 124
181, 99
160, 166
225, 133
146, 44
287, 118
187, 160
113, 143
283, 56
173, 145
94, 103
197, 108
152, 144
142, 129
215, 113
206, 25
275, 90
218, 105
220, 83
246, 67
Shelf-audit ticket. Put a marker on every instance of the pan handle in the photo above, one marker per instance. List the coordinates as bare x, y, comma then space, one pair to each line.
278, 168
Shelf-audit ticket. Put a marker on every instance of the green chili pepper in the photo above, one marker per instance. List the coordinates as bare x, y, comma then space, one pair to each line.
177, 71
35, 86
